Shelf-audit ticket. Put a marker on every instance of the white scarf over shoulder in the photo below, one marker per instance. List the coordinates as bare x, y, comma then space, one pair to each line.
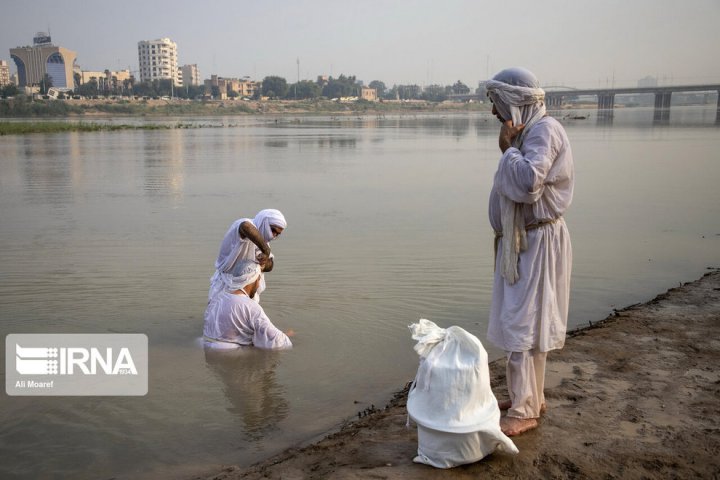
522, 105
243, 273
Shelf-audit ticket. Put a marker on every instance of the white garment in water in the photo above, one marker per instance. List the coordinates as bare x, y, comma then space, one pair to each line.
238, 319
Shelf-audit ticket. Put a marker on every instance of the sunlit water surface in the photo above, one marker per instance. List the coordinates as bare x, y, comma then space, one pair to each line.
117, 232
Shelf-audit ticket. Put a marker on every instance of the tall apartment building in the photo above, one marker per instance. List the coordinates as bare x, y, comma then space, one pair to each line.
4, 73
158, 60
33, 62
190, 75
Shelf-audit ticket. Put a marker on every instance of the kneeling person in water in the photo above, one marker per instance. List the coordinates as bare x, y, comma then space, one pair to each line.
233, 318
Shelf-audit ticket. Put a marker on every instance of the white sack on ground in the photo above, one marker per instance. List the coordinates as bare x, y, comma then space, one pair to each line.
451, 400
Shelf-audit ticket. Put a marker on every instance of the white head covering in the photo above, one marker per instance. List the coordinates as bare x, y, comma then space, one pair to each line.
267, 217
517, 96
243, 273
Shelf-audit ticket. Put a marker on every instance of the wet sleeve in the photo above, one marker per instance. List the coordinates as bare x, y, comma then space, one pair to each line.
267, 335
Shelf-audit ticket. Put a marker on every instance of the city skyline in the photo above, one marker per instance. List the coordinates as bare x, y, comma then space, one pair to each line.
579, 44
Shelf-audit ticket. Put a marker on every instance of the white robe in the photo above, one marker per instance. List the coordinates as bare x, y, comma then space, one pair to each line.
240, 320
532, 313
232, 250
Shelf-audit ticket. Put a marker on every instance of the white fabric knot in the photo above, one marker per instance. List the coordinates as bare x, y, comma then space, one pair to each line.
427, 334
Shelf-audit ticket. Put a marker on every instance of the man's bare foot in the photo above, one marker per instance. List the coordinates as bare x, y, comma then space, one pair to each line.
512, 426
506, 404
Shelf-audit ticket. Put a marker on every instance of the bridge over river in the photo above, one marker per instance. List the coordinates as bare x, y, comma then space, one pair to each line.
606, 97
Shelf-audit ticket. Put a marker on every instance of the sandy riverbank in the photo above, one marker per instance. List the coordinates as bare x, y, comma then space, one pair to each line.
634, 396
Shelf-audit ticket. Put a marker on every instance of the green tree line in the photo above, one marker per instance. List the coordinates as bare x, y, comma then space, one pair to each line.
274, 87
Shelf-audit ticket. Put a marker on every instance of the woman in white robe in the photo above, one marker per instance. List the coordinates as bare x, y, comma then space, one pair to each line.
247, 239
532, 189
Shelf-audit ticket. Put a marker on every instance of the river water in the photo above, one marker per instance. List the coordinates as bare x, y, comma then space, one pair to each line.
117, 232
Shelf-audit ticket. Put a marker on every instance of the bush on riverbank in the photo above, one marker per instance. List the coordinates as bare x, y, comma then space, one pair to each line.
22, 106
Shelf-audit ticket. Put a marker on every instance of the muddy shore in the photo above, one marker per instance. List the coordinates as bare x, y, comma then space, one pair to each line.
636, 395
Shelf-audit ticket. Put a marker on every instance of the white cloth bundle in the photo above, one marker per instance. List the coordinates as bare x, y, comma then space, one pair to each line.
451, 400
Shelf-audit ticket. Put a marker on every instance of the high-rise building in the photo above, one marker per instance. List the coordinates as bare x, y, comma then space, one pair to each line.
34, 62
158, 60
4, 73
190, 75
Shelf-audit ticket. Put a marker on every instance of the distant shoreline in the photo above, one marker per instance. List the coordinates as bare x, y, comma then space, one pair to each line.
21, 107
80, 115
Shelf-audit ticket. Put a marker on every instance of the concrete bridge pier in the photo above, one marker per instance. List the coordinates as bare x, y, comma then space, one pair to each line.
553, 101
662, 107
606, 104
606, 101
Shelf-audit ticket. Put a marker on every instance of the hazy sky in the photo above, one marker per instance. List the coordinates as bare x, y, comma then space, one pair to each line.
573, 42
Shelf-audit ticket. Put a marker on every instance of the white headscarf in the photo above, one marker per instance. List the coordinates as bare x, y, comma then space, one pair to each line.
243, 273
265, 218
517, 96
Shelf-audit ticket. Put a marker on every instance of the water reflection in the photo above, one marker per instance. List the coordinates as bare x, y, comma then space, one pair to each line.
320, 141
337, 142
163, 162
661, 116
604, 117
452, 125
46, 172
274, 143
432, 125
250, 385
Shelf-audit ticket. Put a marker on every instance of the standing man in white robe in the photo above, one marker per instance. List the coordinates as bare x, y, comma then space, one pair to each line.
247, 239
533, 187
